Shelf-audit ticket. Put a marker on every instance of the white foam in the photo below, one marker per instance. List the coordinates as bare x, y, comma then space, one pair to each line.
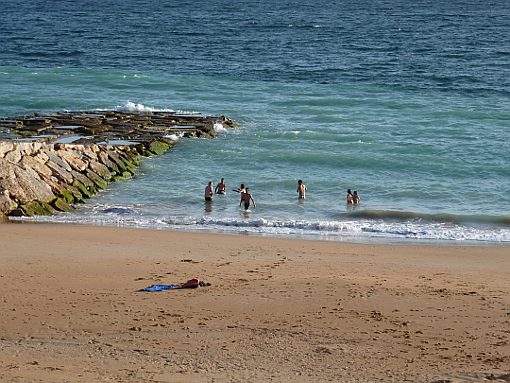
174, 136
219, 128
132, 107
363, 230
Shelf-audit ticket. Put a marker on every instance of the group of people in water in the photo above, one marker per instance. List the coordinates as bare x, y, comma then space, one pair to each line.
221, 188
353, 198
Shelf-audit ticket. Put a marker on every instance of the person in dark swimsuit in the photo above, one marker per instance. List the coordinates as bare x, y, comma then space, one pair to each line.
246, 198
241, 190
208, 192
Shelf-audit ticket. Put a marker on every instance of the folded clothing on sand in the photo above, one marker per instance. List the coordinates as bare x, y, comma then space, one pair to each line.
190, 284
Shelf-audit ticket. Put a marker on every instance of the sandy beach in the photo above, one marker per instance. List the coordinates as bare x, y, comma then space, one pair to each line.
276, 310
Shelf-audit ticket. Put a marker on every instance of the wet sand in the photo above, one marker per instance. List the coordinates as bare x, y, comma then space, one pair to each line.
277, 309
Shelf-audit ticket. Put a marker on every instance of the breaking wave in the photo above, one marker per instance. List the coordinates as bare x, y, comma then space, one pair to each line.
347, 228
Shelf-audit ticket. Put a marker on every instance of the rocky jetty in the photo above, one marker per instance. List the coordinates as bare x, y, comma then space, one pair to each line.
51, 162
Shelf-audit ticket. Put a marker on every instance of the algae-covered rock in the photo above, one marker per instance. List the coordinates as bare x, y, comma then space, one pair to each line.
36, 208
130, 161
123, 176
83, 179
61, 205
75, 192
67, 196
98, 181
157, 148
87, 192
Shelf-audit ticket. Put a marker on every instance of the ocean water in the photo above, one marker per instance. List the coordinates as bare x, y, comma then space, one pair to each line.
406, 102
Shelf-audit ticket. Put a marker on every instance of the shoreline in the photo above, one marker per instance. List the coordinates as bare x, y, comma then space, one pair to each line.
286, 310
300, 237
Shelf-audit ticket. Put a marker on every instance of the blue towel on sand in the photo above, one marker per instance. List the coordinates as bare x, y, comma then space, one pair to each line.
153, 288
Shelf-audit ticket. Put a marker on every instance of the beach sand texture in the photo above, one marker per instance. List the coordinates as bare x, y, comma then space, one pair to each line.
277, 309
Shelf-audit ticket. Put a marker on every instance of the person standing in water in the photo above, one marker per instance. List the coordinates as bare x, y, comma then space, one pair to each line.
241, 190
208, 192
350, 198
246, 198
301, 189
221, 188
356, 198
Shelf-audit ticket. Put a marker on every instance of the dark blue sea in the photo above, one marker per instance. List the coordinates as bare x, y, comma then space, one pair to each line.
406, 102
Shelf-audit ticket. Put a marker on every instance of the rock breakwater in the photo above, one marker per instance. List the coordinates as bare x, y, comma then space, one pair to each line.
51, 162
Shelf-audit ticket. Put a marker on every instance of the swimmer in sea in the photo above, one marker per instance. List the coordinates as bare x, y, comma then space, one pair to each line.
221, 188
356, 198
208, 192
350, 199
246, 198
240, 190
301, 189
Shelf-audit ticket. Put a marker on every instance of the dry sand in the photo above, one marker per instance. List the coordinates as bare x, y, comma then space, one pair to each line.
277, 310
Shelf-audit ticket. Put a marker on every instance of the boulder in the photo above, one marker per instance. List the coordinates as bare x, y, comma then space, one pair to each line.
42, 157
28, 148
60, 173
90, 152
84, 191
58, 187
14, 156
5, 147
105, 160
83, 179
112, 155
34, 187
74, 194
74, 161
68, 197
56, 159
6, 204
101, 170
6, 169
98, 181
28, 162
157, 148
36, 208
61, 205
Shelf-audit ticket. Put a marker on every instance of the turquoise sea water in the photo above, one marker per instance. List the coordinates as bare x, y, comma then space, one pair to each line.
408, 103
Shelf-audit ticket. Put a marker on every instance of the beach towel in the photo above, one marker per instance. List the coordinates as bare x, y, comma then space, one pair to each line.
154, 288
190, 284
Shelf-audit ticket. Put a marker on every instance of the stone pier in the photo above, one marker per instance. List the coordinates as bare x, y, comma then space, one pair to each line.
52, 162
